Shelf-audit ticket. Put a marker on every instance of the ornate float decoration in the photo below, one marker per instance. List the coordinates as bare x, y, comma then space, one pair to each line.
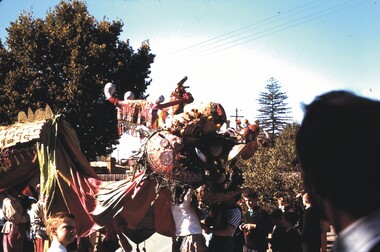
189, 150
18, 156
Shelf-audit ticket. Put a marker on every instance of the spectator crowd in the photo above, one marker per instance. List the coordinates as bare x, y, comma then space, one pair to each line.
237, 224
334, 171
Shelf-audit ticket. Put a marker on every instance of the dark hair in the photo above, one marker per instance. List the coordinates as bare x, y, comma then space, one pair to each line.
291, 216
276, 213
283, 199
179, 193
249, 193
338, 146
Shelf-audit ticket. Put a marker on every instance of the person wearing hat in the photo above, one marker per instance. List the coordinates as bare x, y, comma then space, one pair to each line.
257, 224
340, 166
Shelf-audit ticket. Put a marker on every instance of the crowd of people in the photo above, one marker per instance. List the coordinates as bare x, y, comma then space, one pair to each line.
339, 169
239, 224
229, 226
25, 229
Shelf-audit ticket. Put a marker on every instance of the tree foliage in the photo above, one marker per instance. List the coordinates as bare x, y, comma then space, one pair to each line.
273, 110
65, 60
274, 171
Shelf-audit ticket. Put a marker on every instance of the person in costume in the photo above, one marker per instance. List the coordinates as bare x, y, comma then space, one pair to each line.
143, 112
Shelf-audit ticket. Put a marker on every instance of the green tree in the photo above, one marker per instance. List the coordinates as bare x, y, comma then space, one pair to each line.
285, 148
273, 111
6, 64
274, 171
65, 60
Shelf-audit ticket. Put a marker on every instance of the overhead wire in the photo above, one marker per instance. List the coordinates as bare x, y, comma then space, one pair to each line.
276, 29
243, 29
224, 42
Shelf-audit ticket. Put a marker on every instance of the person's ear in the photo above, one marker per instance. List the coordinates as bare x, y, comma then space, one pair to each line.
53, 231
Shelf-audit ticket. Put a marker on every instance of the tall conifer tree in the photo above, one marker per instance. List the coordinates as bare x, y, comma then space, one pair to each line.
273, 110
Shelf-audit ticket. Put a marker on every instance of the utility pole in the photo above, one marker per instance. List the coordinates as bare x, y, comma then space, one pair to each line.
236, 116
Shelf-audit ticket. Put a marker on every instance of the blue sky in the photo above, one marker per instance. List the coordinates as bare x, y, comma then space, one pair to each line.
229, 48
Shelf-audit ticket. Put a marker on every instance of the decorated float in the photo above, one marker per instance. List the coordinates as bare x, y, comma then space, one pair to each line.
182, 145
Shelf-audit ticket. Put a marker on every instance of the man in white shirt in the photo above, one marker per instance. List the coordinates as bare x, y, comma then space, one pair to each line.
188, 227
340, 166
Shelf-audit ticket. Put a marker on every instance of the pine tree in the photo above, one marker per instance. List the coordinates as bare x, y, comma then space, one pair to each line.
273, 111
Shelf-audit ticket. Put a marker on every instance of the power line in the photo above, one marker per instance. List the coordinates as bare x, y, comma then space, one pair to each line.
275, 29
221, 43
243, 29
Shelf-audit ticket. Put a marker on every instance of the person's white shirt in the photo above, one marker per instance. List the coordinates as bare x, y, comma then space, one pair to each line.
360, 236
55, 246
185, 217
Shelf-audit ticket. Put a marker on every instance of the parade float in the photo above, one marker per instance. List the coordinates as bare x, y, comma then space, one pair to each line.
182, 145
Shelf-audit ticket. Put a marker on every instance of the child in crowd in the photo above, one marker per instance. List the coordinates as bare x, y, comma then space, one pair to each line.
61, 229
277, 238
292, 236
